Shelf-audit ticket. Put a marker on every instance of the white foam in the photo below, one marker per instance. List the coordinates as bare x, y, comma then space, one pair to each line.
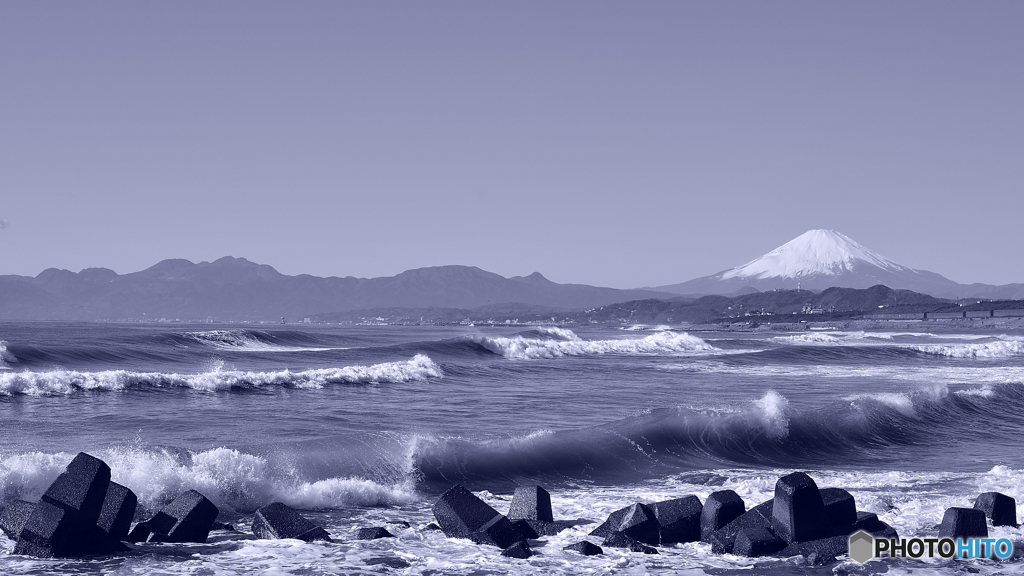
57, 382
533, 348
228, 477
898, 401
1003, 348
808, 338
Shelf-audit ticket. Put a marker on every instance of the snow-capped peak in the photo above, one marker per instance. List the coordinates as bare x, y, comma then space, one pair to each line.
812, 253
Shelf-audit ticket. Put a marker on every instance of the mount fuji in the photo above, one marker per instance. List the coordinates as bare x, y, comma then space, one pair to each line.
820, 259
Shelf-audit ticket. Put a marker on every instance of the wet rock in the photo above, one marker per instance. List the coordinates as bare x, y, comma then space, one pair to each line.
758, 517
531, 503
519, 550
390, 562
460, 514
373, 533
641, 524
756, 541
585, 548
81, 488
679, 519
48, 532
222, 526
401, 523
51, 531
963, 523
498, 532
432, 526
117, 511
840, 506
620, 540
799, 512
523, 530
720, 508
868, 522
278, 520
189, 518
999, 508
14, 516
819, 551
610, 524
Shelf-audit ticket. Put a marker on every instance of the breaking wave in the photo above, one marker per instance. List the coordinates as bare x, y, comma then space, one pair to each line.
232, 479
1002, 348
255, 341
58, 382
560, 342
5, 356
858, 430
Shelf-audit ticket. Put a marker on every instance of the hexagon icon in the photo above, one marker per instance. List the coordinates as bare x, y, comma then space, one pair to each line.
862, 547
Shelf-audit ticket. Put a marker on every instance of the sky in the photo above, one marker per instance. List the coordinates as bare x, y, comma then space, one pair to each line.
619, 144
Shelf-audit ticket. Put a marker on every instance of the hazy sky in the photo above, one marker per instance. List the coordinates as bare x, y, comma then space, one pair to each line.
620, 144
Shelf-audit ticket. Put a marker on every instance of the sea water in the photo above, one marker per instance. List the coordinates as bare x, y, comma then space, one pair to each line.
367, 425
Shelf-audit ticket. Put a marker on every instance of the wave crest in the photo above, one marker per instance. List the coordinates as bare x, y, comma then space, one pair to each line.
58, 382
229, 478
998, 349
521, 347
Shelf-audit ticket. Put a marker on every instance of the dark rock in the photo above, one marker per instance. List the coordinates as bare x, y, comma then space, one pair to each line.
868, 522
585, 548
278, 520
610, 524
49, 532
799, 512
222, 526
820, 551
373, 533
641, 524
620, 540
14, 516
523, 530
548, 528
999, 508
432, 526
531, 503
55, 532
117, 512
720, 508
679, 519
81, 488
194, 516
401, 523
756, 541
189, 518
840, 506
519, 550
963, 523
498, 532
723, 539
389, 562
459, 512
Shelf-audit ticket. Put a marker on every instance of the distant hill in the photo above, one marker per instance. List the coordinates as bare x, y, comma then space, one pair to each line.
820, 259
775, 302
237, 289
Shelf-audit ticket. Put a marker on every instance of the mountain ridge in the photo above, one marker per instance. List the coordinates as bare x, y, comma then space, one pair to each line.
821, 259
238, 289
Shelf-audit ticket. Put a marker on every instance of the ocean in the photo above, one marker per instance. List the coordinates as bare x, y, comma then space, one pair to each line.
368, 425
